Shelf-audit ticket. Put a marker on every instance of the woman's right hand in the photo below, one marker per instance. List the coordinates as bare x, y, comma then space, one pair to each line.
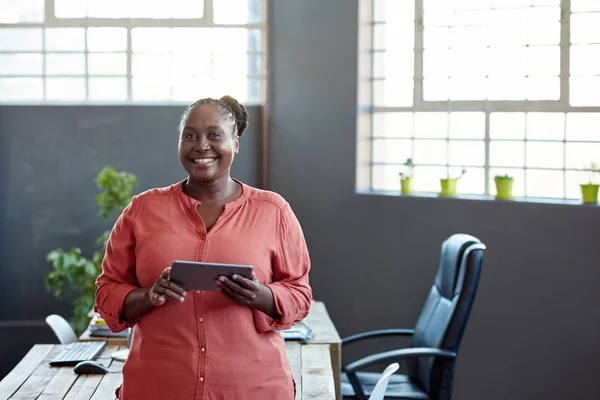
163, 288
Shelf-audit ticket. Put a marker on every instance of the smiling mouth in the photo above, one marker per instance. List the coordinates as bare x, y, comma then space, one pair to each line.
204, 161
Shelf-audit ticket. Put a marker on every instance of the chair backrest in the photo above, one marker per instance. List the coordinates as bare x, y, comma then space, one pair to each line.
444, 316
378, 392
62, 329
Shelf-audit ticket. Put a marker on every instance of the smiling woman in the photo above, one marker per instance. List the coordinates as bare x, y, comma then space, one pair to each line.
206, 344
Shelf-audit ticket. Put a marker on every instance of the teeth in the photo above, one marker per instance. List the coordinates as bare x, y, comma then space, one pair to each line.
203, 160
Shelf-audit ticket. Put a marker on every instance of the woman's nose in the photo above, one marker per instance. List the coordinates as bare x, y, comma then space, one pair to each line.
202, 144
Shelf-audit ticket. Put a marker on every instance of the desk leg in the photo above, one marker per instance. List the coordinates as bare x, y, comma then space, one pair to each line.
336, 364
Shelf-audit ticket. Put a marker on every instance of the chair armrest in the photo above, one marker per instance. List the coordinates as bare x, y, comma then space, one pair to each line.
376, 334
395, 355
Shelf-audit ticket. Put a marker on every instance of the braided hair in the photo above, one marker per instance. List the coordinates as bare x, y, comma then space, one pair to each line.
227, 105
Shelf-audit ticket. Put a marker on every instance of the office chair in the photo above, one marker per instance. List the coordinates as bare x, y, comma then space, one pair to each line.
62, 329
437, 334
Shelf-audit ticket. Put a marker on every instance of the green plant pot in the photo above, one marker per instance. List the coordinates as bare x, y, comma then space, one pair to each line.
406, 185
589, 192
448, 187
504, 187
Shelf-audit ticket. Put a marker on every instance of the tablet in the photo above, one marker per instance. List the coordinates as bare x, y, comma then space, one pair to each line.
192, 275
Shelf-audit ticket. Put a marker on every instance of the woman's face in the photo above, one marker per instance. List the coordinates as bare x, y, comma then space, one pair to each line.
208, 143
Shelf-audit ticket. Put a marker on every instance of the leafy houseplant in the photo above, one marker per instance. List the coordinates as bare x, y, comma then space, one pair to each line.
448, 184
73, 275
504, 187
589, 191
406, 178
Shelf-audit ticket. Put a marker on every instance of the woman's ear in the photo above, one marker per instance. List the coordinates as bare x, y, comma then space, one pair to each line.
237, 145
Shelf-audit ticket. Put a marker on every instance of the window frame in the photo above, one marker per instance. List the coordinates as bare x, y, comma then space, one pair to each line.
207, 21
366, 109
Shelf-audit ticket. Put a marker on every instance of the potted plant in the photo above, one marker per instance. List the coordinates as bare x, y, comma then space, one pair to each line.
449, 184
589, 191
504, 187
73, 275
406, 177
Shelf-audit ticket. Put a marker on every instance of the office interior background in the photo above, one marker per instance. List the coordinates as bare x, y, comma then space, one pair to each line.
340, 93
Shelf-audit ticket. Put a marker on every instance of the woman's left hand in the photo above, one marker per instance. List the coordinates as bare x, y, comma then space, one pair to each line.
240, 290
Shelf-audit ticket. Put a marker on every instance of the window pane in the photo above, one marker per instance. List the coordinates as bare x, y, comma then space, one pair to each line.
467, 125
543, 61
108, 89
584, 28
507, 125
70, 8
385, 177
435, 63
22, 11
473, 182
467, 153
394, 10
574, 180
65, 89
107, 39
226, 65
469, 37
21, 64
237, 11
433, 152
151, 65
507, 153
192, 65
585, 90
544, 183
544, 155
255, 65
107, 64
431, 125
21, 89
393, 93
21, 39
436, 89
583, 126
543, 88
468, 88
151, 40
393, 64
518, 180
234, 40
548, 33
65, 64
436, 38
427, 179
255, 90
148, 89
65, 39
507, 88
584, 5
194, 88
392, 151
581, 155
584, 59
499, 35
393, 124
546, 126
499, 68
393, 35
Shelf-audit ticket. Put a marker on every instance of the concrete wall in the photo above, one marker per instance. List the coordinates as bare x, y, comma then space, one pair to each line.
534, 331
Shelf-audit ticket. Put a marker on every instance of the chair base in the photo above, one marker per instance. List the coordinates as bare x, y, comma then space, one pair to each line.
399, 387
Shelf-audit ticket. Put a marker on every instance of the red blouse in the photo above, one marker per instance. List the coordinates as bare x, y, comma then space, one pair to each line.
206, 347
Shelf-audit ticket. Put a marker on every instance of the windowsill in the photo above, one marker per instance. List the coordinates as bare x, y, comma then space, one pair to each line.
475, 197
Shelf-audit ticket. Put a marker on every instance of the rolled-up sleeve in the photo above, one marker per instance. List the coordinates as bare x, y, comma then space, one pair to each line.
290, 286
118, 276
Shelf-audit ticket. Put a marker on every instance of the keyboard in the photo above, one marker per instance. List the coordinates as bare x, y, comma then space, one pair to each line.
76, 352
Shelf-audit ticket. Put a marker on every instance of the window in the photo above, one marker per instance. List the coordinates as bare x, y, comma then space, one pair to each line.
493, 86
130, 51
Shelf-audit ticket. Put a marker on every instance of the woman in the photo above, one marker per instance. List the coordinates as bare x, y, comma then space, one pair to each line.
203, 344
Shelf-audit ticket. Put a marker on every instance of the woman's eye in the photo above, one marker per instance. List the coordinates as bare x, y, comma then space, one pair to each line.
214, 135
189, 136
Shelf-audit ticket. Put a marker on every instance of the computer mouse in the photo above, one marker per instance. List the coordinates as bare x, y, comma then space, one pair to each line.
90, 367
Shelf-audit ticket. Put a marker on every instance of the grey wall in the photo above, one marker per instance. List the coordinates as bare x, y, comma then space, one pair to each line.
49, 157
534, 331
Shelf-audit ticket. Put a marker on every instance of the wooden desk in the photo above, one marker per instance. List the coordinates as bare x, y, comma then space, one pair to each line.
34, 378
324, 333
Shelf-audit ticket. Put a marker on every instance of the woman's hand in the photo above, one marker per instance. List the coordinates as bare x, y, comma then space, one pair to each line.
240, 290
248, 292
163, 288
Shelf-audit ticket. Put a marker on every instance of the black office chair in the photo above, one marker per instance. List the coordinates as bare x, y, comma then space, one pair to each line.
436, 336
